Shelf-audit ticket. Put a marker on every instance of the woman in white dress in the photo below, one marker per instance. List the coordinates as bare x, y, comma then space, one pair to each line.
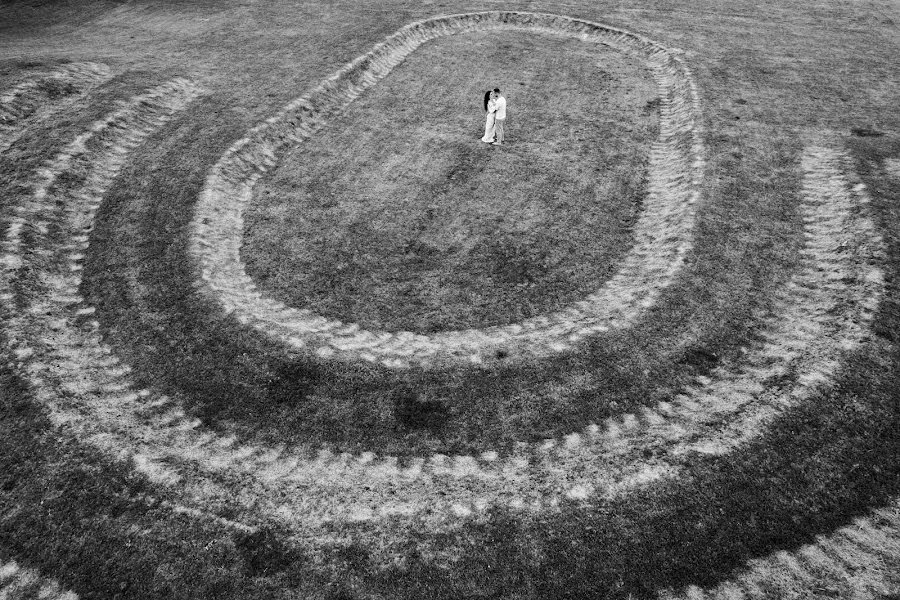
489, 123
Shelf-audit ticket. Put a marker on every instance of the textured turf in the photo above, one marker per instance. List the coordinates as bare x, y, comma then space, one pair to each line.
275, 324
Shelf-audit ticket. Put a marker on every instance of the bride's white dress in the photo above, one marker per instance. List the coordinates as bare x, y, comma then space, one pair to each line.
489, 123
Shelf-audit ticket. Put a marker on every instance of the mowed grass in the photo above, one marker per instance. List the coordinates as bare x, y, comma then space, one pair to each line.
396, 217
92, 523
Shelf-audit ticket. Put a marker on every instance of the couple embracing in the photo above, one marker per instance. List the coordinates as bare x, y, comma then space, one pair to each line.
495, 105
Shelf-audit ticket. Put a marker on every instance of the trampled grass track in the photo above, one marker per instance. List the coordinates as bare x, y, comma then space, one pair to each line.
17, 583
821, 315
858, 559
39, 95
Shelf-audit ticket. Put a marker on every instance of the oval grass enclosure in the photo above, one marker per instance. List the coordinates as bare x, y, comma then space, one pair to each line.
661, 233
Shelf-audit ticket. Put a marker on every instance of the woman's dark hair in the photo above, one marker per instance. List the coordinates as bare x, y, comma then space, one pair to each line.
487, 96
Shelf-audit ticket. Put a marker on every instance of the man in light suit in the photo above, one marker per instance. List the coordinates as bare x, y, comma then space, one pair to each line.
499, 115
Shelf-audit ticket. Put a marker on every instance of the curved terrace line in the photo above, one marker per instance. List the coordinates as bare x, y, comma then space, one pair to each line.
662, 232
861, 557
17, 583
28, 100
50, 339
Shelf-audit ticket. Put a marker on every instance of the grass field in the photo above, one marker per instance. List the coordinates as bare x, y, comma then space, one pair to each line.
418, 239
276, 324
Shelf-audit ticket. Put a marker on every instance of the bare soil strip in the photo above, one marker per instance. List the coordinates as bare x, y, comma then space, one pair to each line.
860, 560
662, 233
41, 94
17, 583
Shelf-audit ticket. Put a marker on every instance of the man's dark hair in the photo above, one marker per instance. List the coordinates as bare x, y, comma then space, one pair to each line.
497, 90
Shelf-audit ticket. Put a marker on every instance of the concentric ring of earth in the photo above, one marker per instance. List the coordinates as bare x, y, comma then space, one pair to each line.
662, 231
